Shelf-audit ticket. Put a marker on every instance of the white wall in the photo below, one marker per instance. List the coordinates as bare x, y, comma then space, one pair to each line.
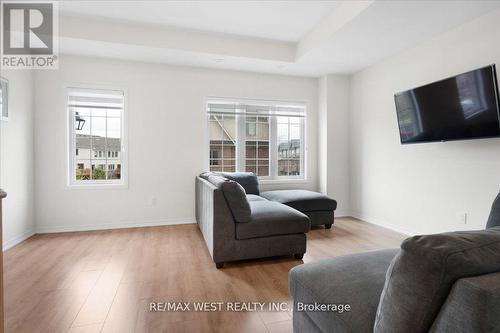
422, 188
322, 134
333, 140
17, 159
167, 139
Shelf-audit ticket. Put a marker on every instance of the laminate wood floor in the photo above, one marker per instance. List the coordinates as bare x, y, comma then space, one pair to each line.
104, 281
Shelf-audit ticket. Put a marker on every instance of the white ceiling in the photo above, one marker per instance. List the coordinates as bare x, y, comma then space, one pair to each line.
280, 20
306, 38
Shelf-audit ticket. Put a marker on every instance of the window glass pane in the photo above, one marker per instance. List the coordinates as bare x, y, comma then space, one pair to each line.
216, 132
294, 132
289, 146
80, 122
99, 172
262, 167
82, 145
229, 152
282, 132
114, 128
282, 167
82, 169
98, 147
257, 145
251, 130
263, 131
98, 126
251, 149
113, 147
263, 170
222, 133
263, 149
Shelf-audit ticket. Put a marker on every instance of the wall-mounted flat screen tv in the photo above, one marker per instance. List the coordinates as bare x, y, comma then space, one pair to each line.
462, 107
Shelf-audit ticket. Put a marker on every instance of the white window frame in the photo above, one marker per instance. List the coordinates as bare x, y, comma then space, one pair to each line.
71, 182
5, 99
273, 140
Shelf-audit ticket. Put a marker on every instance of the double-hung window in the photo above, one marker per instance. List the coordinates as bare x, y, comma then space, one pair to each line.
96, 137
261, 137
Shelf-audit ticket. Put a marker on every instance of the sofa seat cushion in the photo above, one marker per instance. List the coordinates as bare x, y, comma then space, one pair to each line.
305, 201
253, 197
271, 219
355, 279
248, 180
473, 305
422, 274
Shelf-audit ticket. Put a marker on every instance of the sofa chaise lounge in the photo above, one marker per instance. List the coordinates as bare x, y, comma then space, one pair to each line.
435, 283
238, 222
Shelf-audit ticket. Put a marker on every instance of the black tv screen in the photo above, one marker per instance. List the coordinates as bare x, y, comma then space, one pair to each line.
462, 107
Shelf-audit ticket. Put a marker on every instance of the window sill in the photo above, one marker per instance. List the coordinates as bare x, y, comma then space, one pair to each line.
97, 186
283, 181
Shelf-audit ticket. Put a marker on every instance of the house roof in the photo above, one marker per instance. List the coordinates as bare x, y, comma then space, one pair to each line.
292, 144
98, 143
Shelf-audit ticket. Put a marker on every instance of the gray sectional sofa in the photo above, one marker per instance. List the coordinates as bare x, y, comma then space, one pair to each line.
435, 283
239, 222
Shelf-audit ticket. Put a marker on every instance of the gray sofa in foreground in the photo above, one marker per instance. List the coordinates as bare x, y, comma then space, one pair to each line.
446, 282
238, 223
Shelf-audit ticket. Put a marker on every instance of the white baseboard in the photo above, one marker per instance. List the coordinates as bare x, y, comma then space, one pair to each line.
162, 222
371, 220
105, 226
16, 240
342, 213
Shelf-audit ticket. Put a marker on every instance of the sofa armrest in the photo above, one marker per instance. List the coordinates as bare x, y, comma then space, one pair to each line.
356, 280
214, 219
473, 305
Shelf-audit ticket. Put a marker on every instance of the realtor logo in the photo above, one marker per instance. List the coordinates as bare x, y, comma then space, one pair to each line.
29, 37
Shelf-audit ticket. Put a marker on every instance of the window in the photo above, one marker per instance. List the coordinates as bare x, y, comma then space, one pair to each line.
264, 138
96, 130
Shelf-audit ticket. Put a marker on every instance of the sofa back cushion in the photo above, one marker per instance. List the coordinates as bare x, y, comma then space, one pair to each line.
422, 274
494, 219
248, 180
235, 197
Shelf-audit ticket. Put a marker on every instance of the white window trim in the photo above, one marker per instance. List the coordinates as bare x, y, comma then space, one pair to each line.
273, 178
71, 182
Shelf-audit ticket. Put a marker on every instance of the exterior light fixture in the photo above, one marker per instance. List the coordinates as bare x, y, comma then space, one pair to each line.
79, 122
